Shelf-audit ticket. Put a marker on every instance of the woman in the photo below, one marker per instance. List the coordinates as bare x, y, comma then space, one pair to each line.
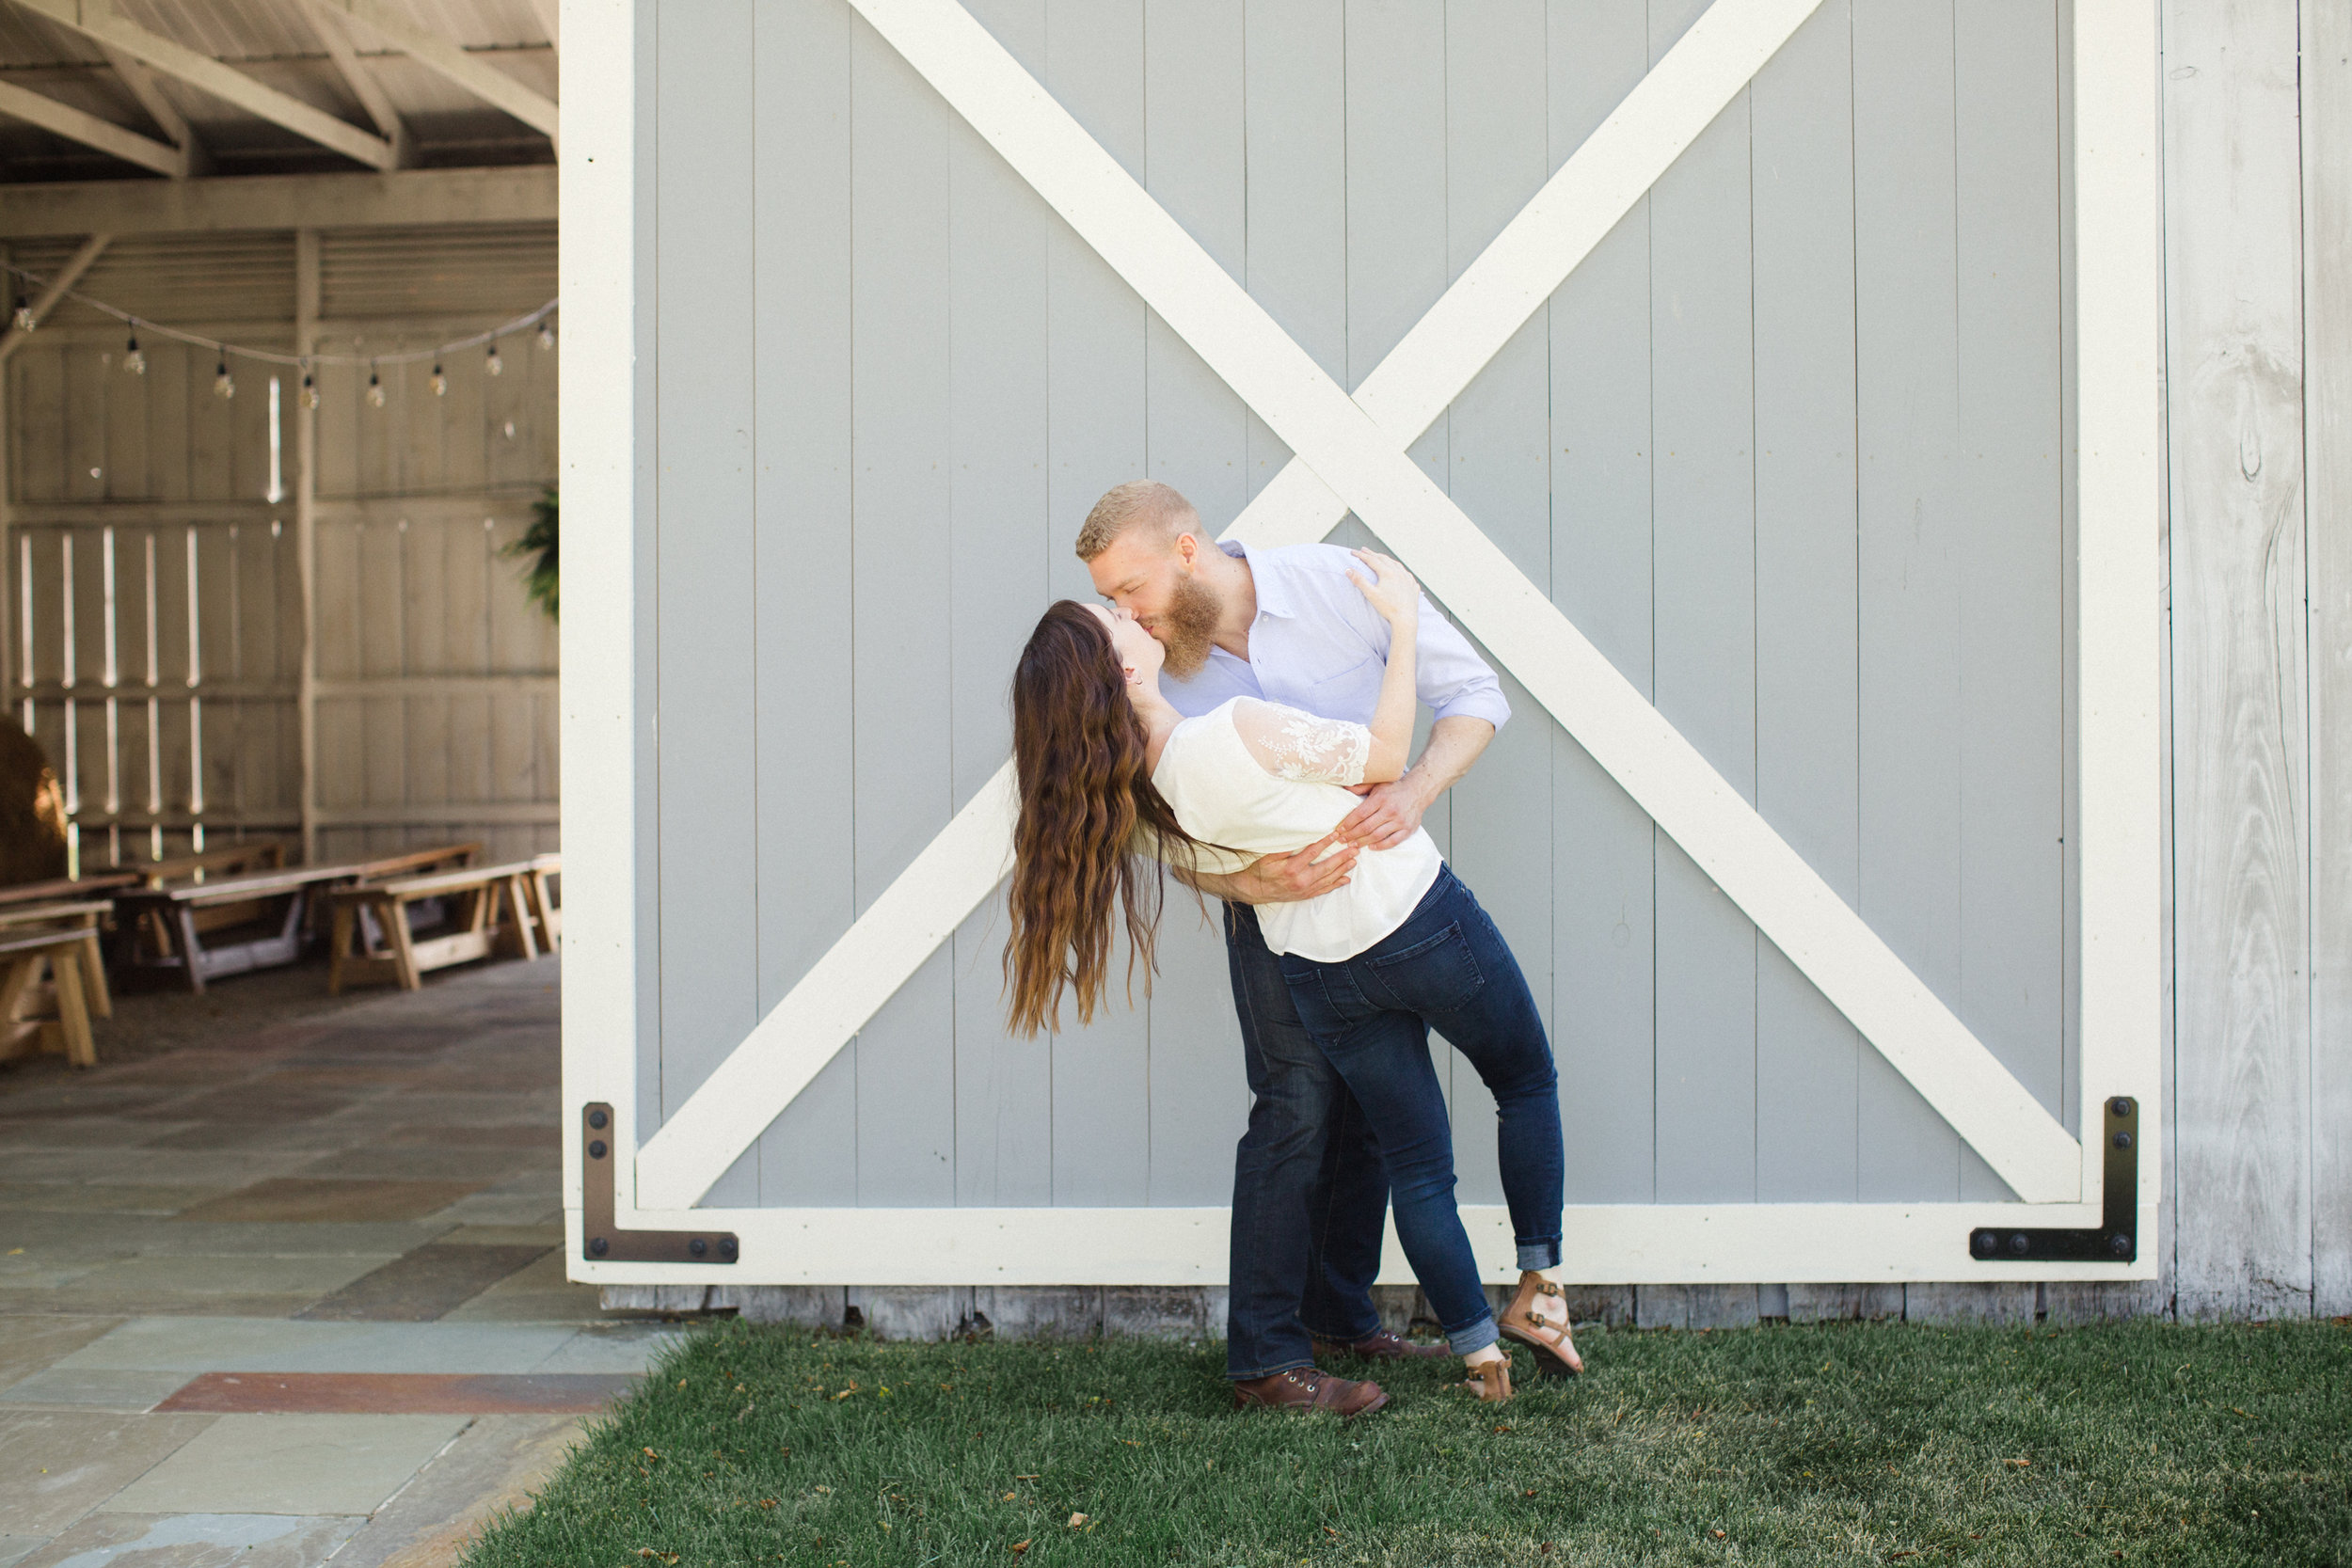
1106, 764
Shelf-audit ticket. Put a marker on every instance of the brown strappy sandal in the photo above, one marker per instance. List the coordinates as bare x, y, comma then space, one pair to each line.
1547, 1337
1490, 1381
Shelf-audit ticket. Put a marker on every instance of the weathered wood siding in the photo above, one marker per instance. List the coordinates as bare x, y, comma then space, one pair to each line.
147, 494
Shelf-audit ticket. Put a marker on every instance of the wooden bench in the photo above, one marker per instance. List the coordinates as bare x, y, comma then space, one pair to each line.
63, 888
165, 929
544, 870
388, 946
228, 860
61, 938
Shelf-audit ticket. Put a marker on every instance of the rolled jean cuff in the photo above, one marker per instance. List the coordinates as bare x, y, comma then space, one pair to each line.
1535, 1256
1474, 1335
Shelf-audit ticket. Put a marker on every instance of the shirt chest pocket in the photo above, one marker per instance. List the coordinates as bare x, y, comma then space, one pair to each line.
1351, 693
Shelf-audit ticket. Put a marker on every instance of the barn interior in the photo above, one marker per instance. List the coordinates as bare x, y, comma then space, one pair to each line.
281, 1232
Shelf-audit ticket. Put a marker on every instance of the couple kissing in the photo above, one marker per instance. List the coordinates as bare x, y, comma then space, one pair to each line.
1243, 718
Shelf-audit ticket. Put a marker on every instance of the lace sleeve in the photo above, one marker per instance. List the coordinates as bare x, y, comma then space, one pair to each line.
1291, 744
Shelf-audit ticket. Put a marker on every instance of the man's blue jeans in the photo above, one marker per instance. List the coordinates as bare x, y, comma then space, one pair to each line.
1310, 1194
1446, 968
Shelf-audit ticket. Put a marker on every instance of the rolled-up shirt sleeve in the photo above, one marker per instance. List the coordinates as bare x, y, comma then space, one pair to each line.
1451, 677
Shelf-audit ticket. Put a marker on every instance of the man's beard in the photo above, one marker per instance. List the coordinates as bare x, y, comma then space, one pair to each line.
1187, 628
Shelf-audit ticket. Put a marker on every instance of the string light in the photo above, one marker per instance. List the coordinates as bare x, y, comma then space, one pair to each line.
133, 361
546, 335
440, 382
375, 388
27, 320
310, 391
223, 388
495, 366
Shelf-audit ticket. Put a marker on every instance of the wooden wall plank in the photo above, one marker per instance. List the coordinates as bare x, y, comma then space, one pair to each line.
1703, 392
2011, 715
1097, 367
801, 497
1604, 923
1200, 147
2326, 80
1498, 438
2235, 344
899, 227
708, 899
1907, 431
1003, 533
1807, 1056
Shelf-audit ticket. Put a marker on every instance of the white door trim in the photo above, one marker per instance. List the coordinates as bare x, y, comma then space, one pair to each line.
1361, 459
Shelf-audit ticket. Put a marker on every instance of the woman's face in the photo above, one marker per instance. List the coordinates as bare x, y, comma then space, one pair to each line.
1138, 650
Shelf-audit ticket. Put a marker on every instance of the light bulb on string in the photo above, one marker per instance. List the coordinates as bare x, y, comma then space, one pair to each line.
495, 365
440, 382
546, 333
309, 390
223, 388
25, 320
375, 388
133, 361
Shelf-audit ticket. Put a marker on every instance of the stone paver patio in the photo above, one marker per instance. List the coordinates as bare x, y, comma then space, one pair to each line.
281, 1281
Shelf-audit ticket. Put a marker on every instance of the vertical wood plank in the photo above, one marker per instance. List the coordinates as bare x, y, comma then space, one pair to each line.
1498, 438
1906, 357
1200, 88
1703, 392
2328, 435
804, 677
1603, 882
1097, 373
1807, 1055
1003, 535
2011, 713
900, 402
708, 991
2234, 342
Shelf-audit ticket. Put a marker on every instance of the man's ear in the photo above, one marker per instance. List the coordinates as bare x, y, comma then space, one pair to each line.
1188, 550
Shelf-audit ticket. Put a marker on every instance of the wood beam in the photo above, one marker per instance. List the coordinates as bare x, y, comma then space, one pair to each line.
90, 131
67, 276
361, 81
524, 194
446, 59
547, 11
97, 20
141, 81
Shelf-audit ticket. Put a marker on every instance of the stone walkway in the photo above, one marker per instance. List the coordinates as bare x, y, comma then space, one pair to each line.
281, 1281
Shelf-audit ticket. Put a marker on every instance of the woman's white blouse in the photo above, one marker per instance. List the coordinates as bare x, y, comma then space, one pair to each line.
1263, 779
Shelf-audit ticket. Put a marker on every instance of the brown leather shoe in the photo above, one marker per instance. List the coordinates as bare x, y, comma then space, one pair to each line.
1306, 1388
1385, 1345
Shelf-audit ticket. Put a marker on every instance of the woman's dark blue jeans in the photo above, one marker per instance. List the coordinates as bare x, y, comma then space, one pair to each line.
1447, 967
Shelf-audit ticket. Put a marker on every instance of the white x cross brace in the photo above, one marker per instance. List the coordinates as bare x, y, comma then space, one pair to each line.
1351, 454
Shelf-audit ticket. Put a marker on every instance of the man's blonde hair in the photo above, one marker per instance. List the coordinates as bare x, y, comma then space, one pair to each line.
1144, 501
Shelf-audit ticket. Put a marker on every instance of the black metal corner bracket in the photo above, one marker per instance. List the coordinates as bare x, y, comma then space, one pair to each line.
2116, 1241
605, 1241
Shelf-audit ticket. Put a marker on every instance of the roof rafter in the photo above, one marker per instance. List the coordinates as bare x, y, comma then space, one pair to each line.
447, 60
174, 126
361, 81
90, 131
97, 20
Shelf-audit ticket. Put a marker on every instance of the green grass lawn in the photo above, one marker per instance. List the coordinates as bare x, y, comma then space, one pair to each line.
2140, 1442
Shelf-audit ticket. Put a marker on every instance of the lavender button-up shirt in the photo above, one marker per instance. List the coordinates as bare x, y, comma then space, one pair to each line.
1318, 646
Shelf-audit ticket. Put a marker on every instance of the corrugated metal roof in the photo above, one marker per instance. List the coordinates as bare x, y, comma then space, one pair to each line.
277, 44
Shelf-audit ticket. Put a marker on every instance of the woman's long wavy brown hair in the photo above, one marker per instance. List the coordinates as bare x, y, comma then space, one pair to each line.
1087, 808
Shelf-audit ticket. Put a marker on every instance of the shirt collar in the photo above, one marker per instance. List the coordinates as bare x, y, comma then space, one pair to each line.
1267, 578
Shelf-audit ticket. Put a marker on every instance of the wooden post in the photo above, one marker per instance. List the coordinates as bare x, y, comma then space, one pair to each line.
306, 530
7, 446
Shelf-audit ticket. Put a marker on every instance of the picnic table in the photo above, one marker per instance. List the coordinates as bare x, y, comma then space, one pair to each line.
374, 937
62, 939
254, 921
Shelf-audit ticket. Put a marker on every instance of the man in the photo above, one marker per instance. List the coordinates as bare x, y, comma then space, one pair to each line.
1310, 1195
